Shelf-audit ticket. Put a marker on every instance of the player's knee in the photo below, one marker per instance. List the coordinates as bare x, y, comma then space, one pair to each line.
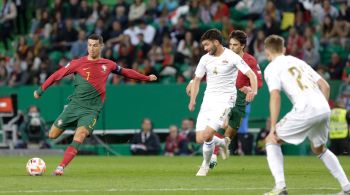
207, 137
318, 150
81, 134
270, 140
54, 132
199, 140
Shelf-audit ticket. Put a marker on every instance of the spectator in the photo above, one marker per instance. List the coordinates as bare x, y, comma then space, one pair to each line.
147, 30
8, 14
161, 30
295, 43
148, 68
33, 128
310, 54
326, 29
172, 142
258, 46
142, 48
185, 48
146, 142
270, 26
3, 74
187, 129
309, 33
22, 47
84, 11
222, 10
188, 143
344, 11
328, 9
21, 19
336, 67
96, 6
72, 9
137, 10
339, 129
79, 47
341, 32
205, 11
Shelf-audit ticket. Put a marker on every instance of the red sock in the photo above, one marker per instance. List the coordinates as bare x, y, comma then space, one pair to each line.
68, 155
216, 149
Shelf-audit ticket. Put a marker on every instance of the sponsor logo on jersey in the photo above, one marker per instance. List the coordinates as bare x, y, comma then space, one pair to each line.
225, 62
104, 68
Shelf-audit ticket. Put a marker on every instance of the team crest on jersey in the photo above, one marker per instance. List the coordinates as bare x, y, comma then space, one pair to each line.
104, 68
59, 122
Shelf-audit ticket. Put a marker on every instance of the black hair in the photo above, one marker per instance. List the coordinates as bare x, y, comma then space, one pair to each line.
212, 34
96, 37
240, 36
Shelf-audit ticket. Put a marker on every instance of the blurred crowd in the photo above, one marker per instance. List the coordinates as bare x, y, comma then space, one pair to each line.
161, 37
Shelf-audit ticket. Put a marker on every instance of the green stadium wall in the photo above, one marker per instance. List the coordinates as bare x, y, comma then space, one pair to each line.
126, 105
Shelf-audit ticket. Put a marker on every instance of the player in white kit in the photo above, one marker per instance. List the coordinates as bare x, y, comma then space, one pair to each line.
221, 67
309, 117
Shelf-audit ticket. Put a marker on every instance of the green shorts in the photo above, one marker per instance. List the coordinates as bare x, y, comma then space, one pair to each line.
238, 111
74, 116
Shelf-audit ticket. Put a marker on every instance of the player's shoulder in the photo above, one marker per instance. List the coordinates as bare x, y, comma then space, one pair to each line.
205, 58
249, 59
107, 61
229, 52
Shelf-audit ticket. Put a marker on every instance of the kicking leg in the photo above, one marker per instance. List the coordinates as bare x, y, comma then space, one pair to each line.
72, 150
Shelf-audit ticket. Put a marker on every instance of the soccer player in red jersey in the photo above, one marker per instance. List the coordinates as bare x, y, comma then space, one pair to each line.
90, 76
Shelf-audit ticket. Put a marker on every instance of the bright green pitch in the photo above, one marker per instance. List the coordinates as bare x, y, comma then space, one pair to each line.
166, 175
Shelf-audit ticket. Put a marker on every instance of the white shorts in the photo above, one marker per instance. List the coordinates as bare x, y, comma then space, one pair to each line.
297, 125
214, 111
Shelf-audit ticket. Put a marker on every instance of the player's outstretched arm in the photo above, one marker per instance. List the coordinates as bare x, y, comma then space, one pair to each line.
132, 74
56, 76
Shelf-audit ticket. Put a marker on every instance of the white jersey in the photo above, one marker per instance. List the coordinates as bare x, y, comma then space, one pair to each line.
298, 80
221, 72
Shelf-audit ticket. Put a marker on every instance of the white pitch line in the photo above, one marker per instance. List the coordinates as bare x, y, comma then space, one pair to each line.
151, 190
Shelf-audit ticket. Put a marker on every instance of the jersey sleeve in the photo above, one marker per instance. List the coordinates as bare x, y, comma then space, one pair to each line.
314, 75
70, 68
273, 80
132, 74
200, 70
241, 65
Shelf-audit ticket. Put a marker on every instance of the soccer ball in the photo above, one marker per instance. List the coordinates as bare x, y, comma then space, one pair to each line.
36, 167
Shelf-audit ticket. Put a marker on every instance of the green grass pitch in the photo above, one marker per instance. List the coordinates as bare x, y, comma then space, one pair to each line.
166, 175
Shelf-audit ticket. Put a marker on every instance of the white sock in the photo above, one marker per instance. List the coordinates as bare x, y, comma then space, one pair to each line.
275, 161
208, 149
333, 165
219, 141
